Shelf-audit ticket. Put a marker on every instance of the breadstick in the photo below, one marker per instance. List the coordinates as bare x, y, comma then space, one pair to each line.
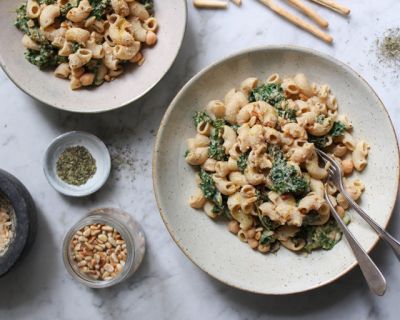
297, 21
237, 2
309, 12
333, 6
210, 4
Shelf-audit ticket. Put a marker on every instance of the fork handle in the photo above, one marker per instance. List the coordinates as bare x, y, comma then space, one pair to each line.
389, 239
372, 274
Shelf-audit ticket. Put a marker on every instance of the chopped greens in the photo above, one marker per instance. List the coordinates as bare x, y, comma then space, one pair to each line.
285, 178
324, 236
99, 8
148, 4
320, 119
267, 223
273, 94
216, 149
186, 153
242, 161
207, 185
267, 237
65, 8
201, 116
46, 57
210, 191
235, 127
21, 22
269, 92
262, 194
337, 129
47, 2
319, 142
285, 112
75, 47
310, 218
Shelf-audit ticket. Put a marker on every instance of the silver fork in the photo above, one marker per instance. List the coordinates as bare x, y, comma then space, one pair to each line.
372, 274
335, 175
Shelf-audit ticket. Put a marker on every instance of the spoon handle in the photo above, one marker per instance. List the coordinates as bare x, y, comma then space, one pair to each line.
387, 237
372, 274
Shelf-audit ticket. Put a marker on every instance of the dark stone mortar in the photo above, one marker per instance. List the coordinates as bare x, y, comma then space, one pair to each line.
25, 219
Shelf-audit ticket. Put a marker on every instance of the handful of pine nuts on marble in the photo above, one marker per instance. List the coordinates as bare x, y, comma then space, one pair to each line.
99, 251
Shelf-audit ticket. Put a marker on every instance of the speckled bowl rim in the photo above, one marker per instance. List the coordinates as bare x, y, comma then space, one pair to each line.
118, 106
165, 119
95, 188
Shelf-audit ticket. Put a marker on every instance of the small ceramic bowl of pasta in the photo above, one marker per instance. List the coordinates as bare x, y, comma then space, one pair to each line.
89, 55
244, 154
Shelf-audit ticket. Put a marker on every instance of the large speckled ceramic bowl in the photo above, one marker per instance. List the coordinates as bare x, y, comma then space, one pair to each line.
134, 83
209, 244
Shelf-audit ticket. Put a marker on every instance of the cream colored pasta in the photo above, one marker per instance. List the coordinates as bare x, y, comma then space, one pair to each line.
29, 43
360, 154
260, 168
33, 9
114, 34
48, 15
62, 71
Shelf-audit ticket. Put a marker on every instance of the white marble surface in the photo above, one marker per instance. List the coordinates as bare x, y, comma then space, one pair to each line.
168, 285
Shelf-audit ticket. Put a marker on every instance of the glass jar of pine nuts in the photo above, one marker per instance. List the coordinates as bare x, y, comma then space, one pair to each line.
104, 248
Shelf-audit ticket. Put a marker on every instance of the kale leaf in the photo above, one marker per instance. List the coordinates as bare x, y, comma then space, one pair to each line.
242, 161
319, 142
201, 116
207, 185
269, 92
75, 47
148, 4
216, 149
285, 112
46, 57
21, 22
273, 94
320, 119
324, 236
267, 237
284, 177
47, 2
99, 8
337, 129
210, 191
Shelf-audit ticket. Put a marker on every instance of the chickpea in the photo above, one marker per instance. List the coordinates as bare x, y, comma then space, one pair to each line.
340, 211
253, 243
151, 38
263, 248
347, 166
87, 79
233, 227
250, 233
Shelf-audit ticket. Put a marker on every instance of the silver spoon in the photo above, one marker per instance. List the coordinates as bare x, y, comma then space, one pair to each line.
335, 175
372, 275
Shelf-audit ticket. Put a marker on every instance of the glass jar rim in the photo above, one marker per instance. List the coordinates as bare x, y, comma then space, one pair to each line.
95, 217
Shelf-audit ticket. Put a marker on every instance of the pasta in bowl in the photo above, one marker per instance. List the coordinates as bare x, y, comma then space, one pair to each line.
133, 79
259, 168
86, 41
207, 243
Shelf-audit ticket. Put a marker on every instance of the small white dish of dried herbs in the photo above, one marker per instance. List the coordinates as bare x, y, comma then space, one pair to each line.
77, 164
